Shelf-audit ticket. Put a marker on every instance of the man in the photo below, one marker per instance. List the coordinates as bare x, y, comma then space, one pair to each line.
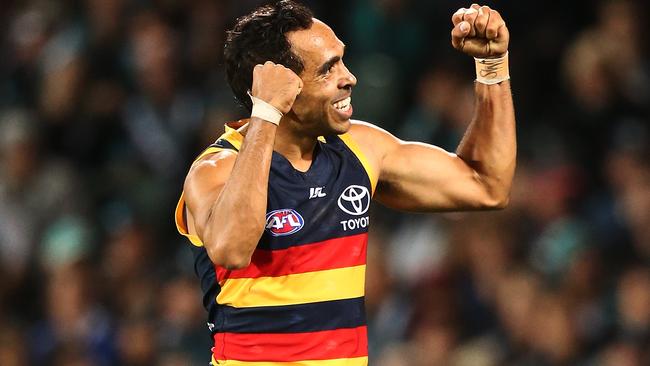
278, 209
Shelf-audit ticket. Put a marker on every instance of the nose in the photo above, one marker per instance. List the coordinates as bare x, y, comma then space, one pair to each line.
348, 80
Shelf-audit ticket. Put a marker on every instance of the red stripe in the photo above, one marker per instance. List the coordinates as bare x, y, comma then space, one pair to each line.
329, 254
288, 347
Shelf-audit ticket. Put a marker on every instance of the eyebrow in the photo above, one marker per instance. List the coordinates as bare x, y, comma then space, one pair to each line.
328, 64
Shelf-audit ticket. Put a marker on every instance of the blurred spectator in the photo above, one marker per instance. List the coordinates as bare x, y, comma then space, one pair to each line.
443, 109
633, 300
621, 354
36, 189
162, 116
13, 350
137, 342
76, 329
183, 330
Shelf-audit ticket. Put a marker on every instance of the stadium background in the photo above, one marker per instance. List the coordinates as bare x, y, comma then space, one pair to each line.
104, 103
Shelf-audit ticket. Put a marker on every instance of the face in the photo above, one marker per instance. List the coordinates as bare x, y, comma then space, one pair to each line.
323, 107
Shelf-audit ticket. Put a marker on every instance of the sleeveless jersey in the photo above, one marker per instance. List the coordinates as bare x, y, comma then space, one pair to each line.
301, 299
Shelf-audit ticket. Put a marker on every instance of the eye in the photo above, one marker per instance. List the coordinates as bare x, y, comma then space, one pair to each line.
329, 70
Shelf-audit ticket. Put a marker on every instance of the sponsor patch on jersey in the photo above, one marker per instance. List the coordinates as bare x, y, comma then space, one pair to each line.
285, 221
354, 200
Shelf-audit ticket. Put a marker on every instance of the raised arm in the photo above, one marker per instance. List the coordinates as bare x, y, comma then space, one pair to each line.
226, 193
421, 177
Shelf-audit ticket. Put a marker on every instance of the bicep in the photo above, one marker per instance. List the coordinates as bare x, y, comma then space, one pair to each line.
203, 186
421, 177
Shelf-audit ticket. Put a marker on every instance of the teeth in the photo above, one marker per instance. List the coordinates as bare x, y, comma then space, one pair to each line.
343, 104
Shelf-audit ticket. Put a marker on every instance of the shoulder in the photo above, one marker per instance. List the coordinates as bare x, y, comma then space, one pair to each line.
366, 131
375, 141
363, 126
214, 160
210, 171
219, 158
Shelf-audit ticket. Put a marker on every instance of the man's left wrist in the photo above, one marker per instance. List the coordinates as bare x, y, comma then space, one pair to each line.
492, 70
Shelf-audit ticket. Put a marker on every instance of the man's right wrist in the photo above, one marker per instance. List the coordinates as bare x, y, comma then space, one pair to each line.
265, 111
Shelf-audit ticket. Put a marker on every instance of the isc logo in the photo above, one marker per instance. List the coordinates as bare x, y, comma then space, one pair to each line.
282, 222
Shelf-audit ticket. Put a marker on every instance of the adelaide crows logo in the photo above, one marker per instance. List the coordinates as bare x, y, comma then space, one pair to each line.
285, 221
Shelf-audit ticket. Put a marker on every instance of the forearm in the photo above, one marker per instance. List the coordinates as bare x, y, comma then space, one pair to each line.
237, 218
489, 145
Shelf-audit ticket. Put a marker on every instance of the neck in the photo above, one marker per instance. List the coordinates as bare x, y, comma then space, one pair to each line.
295, 145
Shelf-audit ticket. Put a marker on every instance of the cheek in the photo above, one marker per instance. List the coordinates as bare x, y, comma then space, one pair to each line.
310, 103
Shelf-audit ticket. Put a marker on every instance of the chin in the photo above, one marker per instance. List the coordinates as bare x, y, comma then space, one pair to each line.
339, 127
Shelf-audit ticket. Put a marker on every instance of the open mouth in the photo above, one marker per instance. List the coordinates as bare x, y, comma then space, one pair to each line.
343, 105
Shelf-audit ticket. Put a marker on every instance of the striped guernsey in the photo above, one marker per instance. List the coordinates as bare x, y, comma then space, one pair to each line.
301, 299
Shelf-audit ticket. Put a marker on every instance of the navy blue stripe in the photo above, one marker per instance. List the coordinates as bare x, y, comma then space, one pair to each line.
224, 144
326, 315
206, 273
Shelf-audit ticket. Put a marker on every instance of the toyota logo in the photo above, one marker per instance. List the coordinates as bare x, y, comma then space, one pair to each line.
355, 200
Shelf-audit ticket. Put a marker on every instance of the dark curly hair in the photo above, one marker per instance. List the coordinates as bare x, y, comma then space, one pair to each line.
259, 37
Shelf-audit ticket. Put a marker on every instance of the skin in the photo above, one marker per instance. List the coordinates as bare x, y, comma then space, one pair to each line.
226, 193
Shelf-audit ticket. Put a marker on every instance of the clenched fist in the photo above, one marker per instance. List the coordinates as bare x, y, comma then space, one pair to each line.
480, 32
276, 85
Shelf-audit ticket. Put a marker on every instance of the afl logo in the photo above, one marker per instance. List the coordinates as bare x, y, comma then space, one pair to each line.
355, 200
285, 221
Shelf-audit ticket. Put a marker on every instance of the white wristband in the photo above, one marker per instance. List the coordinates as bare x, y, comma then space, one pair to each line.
265, 111
492, 70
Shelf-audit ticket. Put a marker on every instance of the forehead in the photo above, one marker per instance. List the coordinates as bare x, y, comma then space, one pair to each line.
316, 44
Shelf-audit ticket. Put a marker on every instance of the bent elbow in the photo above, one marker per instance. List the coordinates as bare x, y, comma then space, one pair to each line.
228, 258
233, 262
496, 202
233, 252
233, 249
502, 203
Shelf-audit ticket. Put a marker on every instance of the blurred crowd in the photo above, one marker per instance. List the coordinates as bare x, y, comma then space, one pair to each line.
105, 103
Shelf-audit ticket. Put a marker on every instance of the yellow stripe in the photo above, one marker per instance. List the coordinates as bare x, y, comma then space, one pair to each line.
300, 288
208, 151
234, 137
357, 361
181, 225
362, 157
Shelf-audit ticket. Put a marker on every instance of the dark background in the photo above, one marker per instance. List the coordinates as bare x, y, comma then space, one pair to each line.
104, 104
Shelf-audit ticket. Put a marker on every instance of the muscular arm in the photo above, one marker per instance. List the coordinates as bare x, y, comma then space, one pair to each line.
489, 146
226, 194
226, 197
419, 177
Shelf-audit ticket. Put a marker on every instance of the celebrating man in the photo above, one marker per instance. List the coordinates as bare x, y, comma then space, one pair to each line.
277, 210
